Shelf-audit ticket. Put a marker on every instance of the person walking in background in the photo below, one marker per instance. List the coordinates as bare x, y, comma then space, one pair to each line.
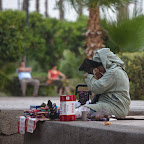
54, 79
24, 75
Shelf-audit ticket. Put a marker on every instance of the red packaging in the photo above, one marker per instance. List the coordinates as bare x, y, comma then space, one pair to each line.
22, 124
67, 108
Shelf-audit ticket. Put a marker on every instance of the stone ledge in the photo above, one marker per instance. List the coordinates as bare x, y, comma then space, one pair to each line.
8, 121
78, 132
8, 127
12, 139
136, 112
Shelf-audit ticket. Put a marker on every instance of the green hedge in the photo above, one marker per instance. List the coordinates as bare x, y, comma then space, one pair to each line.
12, 87
43, 41
6, 84
134, 63
43, 90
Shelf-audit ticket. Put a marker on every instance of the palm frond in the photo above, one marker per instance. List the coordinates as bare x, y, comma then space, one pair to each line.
94, 3
126, 35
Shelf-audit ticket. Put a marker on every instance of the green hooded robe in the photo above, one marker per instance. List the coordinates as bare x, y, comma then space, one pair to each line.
113, 86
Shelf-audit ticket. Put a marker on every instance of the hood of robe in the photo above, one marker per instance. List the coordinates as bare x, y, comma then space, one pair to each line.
108, 58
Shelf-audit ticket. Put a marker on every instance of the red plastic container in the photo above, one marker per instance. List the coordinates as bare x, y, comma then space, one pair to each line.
67, 108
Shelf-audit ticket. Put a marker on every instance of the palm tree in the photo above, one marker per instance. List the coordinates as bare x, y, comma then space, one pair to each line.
122, 11
0, 5
94, 34
136, 9
37, 6
24, 5
141, 3
46, 8
80, 9
61, 9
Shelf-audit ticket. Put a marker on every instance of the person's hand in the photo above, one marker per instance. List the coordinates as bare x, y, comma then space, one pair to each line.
64, 77
85, 75
30, 69
97, 73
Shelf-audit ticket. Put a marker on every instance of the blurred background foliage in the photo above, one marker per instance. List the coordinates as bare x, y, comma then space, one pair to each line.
134, 63
126, 35
49, 40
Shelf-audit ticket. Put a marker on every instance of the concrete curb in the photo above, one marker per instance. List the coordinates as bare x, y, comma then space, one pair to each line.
84, 133
8, 127
135, 112
13, 106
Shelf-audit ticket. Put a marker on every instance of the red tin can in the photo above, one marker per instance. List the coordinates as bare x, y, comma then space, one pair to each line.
67, 108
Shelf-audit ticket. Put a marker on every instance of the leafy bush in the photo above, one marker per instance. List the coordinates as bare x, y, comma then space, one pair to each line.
135, 69
50, 37
12, 87
70, 64
43, 41
11, 38
6, 84
134, 63
49, 40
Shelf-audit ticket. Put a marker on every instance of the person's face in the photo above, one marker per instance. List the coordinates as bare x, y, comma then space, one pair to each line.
22, 64
54, 68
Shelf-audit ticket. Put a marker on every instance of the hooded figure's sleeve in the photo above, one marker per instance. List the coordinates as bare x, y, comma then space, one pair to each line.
102, 85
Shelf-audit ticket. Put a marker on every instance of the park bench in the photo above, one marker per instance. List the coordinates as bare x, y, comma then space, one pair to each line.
42, 88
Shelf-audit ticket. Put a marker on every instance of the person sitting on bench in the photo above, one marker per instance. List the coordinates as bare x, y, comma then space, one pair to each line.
108, 79
54, 79
24, 75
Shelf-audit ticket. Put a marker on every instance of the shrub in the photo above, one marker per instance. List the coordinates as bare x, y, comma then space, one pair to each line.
134, 63
43, 41
70, 63
6, 84
11, 36
12, 86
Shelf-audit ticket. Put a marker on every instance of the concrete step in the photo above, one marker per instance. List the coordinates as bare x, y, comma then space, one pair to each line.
91, 132
11, 107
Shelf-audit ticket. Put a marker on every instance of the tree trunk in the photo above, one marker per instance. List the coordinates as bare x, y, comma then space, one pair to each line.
0, 5
94, 35
141, 6
135, 8
46, 8
61, 11
24, 5
122, 12
80, 9
37, 6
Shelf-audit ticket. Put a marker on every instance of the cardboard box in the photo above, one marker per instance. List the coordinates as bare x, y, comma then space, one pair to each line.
67, 108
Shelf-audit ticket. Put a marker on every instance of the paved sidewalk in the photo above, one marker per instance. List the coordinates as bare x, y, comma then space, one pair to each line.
130, 131
20, 103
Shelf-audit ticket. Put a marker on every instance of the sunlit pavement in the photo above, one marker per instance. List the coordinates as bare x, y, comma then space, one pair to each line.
20, 103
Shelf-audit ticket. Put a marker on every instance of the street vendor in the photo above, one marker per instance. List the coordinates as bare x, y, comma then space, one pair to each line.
110, 82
